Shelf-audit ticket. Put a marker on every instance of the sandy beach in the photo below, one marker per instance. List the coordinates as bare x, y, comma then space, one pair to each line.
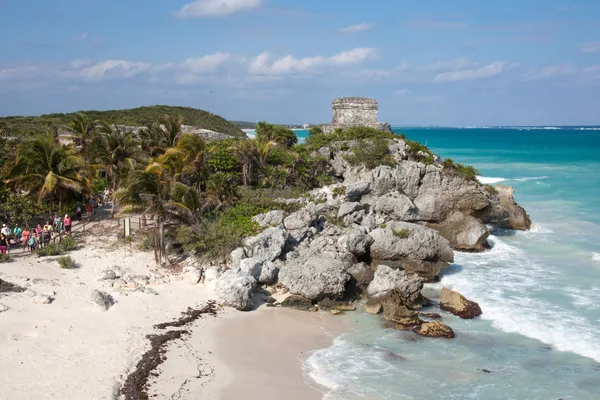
72, 348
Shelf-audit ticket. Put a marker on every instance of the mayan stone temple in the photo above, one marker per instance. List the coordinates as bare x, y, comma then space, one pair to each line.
355, 111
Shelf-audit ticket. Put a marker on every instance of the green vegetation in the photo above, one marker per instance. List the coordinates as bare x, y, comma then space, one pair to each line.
66, 262
491, 189
466, 171
68, 243
146, 244
4, 258
338, 191
318, 139
52, 249
419, 152
371, 154
141, 116
402, 233
275, 133
334, 220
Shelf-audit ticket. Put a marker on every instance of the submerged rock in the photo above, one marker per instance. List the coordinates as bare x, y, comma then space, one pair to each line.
435, 329
458, 305
236, 289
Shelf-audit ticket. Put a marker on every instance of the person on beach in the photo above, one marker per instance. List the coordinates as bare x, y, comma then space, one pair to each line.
5, 230
59, 226
25, 236
48, 227
32, 243
18, 231
45, 237
78, 212
67, 222
89, 209
38, 232
3, 243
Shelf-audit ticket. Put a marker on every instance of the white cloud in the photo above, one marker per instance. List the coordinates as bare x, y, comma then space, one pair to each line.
216, 8
592, 47
206, 64
356, 28
592, 72
109, 68
266, 64
550, 72
488, 71
452, 65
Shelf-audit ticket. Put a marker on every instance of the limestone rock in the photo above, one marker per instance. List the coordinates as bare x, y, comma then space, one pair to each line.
458, 305
252, 267
355, 191
304, 218
151, 291
102, 299
271, 218
236, 289
361, 276
109, 275
42, 299
192, 275
268, 273
298, 303
355, 241
349, 208
464, 232
237, 256
435, 329
397, 207
372, 307
517, 216
266, 246
315, 278
327, 305
387, 279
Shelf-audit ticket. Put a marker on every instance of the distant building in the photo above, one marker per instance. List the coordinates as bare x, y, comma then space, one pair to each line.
305, 126
355, 111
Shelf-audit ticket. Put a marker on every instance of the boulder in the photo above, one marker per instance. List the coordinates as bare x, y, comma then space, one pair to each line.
355, 191
236, 289
102, 299
415, 248
109, 275
517, 216
237, 256
372, 307
356, 241
304, 218
327, 305
42, 299
271, 218
212, 274
397, 206
315, 278
298, 303
463, 232
349, 208
387, 280
435, 329
361, 276
268, 273
252, 267
266, 246
458, 305
192, 275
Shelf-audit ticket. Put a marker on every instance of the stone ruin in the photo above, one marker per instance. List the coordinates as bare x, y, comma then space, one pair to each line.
355, 111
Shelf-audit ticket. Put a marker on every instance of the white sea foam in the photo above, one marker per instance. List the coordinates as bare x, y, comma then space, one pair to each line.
596, 256
512, 290
537, 228
488, 180
531, 178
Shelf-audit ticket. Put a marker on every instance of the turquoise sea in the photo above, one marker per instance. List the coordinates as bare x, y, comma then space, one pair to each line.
539, 335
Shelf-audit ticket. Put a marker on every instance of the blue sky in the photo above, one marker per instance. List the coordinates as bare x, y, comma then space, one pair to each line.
460, 62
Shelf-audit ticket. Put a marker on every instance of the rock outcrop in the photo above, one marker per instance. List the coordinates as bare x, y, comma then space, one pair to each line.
315, 278
464, 232
517, 216
267, 246
458, 305
235, 289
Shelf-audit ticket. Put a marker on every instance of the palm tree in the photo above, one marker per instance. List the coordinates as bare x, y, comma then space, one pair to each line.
221, 189
83, 128
161, 135
187, 161
48, 170
251, 154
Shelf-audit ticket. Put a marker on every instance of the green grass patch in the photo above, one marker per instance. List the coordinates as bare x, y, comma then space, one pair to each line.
4, 258
466, 171
318, 139
371, 154
402, 233
66, 262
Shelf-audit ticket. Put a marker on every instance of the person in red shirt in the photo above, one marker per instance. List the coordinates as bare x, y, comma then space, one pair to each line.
67, 222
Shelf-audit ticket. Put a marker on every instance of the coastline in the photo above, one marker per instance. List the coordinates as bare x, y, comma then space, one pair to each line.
257, 352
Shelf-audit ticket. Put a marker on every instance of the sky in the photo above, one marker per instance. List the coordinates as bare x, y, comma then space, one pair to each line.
435, 62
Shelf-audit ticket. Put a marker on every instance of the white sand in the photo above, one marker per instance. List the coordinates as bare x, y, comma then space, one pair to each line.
72, 349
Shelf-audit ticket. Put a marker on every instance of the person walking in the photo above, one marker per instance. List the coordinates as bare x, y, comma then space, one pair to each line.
18, 231
38, 232
25, 236
32, 243
5, 230
78, 212
3, 243
67, 222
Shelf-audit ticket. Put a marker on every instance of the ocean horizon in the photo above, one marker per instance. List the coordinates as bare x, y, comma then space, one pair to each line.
539, 290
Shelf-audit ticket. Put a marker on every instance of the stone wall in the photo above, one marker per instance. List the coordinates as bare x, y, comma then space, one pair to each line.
354, 111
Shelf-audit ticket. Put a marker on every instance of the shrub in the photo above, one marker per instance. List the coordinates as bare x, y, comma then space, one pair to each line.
147, 244
419, 152
52, 249
383, 226
491, 189
221, 158
338, 191
68, 243
402, 233
66, 262
318, 139
371, 154
334, 220
276, 133
4, 258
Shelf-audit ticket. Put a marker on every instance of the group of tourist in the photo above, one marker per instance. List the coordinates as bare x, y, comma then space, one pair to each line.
34, 239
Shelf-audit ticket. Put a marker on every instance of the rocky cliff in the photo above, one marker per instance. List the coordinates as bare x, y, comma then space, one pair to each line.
378, 233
